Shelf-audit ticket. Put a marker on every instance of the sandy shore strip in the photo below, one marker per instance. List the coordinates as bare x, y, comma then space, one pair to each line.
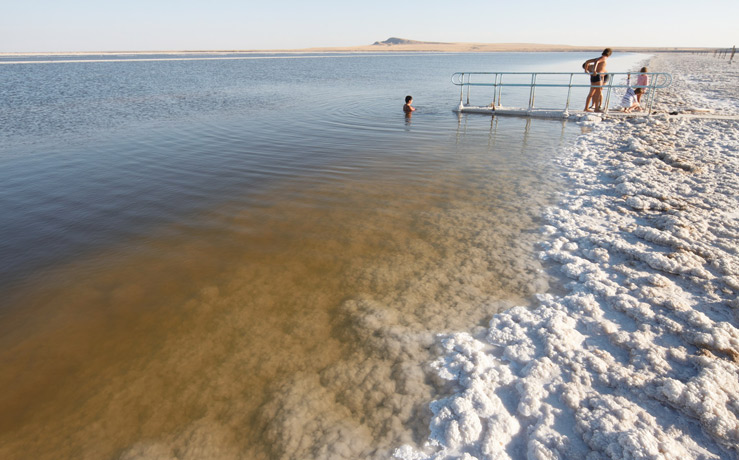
391, 45
639, 358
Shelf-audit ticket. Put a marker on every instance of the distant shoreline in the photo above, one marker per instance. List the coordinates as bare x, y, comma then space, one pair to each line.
394, 48
500, 47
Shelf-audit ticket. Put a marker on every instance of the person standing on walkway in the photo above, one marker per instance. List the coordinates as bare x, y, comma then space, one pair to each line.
642, 81
598, 77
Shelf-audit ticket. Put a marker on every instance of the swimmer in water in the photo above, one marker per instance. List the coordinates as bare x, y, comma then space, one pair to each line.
408, 108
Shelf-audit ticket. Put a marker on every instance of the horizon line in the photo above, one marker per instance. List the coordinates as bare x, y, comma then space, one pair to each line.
406, 45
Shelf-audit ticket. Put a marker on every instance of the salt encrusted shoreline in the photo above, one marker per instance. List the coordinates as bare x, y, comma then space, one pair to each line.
640, 359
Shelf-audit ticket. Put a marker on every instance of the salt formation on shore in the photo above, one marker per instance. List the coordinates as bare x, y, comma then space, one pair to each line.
640, 357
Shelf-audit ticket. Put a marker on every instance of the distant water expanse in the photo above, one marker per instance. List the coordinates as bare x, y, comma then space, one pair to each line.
249, 256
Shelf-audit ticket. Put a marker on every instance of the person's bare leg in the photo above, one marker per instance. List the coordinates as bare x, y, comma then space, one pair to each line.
592, 92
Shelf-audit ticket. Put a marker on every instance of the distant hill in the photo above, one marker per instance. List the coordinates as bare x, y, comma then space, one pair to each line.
396, 44
403, 41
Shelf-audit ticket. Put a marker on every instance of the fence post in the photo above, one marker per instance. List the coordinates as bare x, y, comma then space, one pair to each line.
533, 89
608, 94
500, 88
469, 87
461, 87
569, 92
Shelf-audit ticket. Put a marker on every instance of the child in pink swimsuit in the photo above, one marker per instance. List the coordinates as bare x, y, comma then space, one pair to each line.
642, 80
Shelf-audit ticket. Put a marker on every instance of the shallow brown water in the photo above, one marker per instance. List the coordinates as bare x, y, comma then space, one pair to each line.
251, 330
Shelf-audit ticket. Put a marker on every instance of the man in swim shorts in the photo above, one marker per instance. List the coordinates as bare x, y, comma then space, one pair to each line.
598, 77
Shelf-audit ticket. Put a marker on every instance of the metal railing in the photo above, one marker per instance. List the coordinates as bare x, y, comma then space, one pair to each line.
657, 80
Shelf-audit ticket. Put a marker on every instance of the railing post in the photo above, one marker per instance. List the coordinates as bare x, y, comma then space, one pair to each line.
608, 94
650, 96
495, 88
469, 86
569, 92
531, 95
461, 87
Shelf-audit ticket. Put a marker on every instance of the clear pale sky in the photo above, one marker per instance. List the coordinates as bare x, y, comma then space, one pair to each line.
146, 25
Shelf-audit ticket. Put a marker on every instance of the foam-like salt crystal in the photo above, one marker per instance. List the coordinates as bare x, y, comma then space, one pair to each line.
635, 203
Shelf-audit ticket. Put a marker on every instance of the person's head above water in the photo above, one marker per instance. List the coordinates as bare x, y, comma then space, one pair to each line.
408, 108
607, 52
